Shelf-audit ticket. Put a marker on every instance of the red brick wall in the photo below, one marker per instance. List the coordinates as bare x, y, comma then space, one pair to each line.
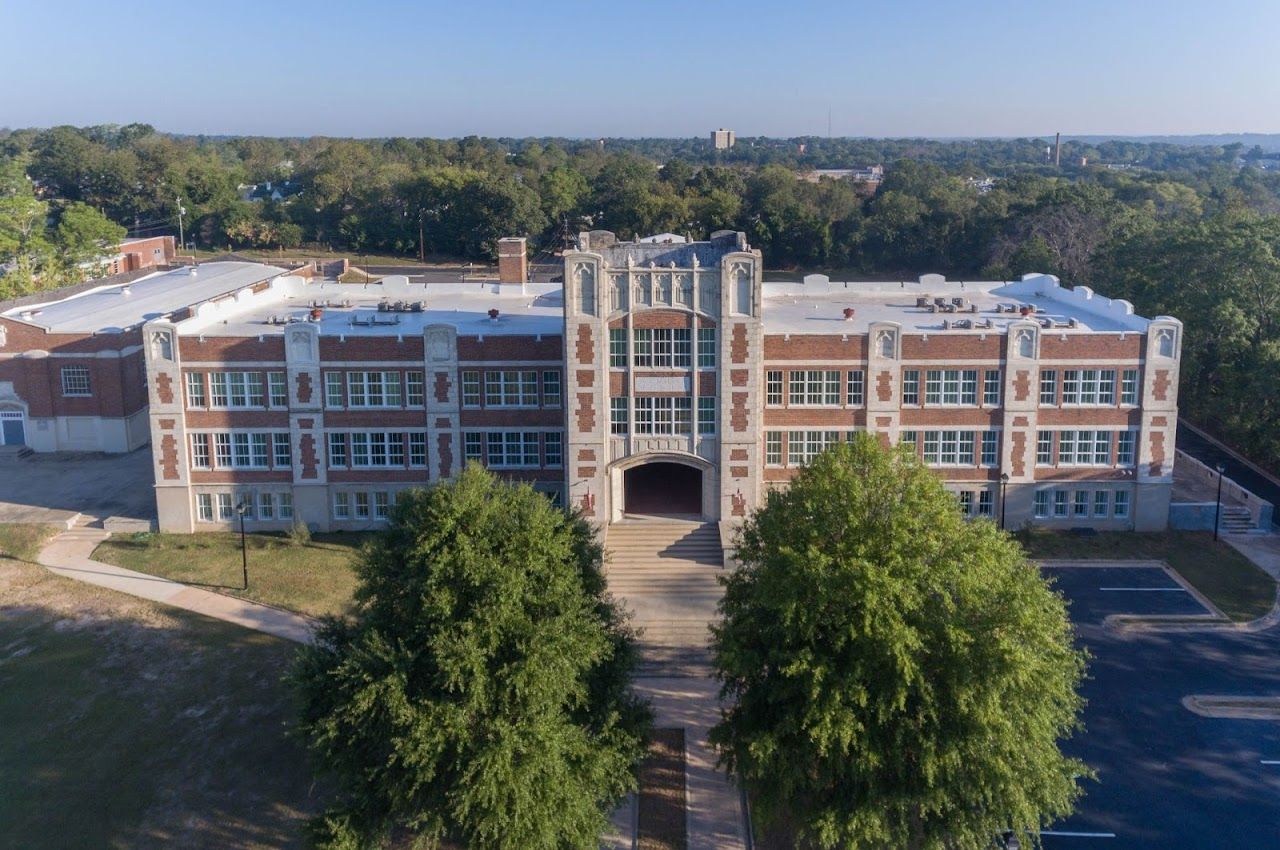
232, 348
363, 348
952, 347
808, 347
511, 348
1090, 347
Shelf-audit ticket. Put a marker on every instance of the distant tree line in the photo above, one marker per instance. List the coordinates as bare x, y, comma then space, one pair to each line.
1177, 229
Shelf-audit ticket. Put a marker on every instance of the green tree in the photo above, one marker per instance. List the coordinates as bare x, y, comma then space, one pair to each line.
480, 690
897, 676
84, 234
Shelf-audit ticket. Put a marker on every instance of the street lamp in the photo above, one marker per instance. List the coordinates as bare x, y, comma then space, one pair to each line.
1004, 484
242, 509
1217, 511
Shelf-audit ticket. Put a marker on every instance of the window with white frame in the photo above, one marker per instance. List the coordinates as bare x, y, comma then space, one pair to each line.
663, 348
951, 386
277, 389
341, 505
266, 506
1042, 504
773, 448
706, 348
773, 388
804, 446
1121, 503
473, 446
75, 381
381, 504
235, 389
966, 502
285, 504
360, 506
910, 386
814, 387
1044, 448
990, 448
1126, 444
553, 449
1129, 386
200, 451
373, 389
417, 448
415, 389
1101, 503
511, 388
195, 389
1088, 386
663, 414
706, 414
282, 457
1084, 448
512, 449
333, 389
551, 388
1080, 504
470, 388
909, 438
855, 391
991, 388
1060, 504
226, 509
222, 450
337, 449
985, 503
1048, 386
618, 415
618, 348
949, 448
204, 507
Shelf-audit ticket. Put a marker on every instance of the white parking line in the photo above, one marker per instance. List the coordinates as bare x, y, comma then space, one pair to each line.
1077, 834
1148, 589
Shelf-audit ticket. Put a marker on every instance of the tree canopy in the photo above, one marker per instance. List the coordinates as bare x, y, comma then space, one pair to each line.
479, 692
897, 676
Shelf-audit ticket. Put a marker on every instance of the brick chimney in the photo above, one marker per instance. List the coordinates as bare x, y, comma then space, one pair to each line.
513, 261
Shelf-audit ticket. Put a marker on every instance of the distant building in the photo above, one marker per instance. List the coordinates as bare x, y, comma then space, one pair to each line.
723, 139
150, 252
268, 191
871, 174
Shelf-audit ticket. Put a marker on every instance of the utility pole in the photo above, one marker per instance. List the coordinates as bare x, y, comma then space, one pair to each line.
181, 211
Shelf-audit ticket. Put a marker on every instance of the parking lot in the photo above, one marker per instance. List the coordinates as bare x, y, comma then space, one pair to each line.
54, 487
1168, 778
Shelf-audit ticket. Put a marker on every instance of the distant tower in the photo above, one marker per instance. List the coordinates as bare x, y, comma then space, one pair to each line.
1057, 150
722, 139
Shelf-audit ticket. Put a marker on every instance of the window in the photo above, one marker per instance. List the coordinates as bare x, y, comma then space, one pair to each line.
949, 448
361, 510
200, 451
553, 449
511, 388
282, 455
415, 389
195, 389
341, 505
856, 390
225, 509
222, 450
984, 503
75, 381
1042, 504
337, 449
1101, 503
663, 348
1080, 505
417, 448
470, 389
663, 414
966, 502
951, 386
804, 446
618, 415
204, 507
990, 448
1121, 503
266, 506
235, 389
1125, 448
373, 389
512, 449
909, 438
773, 448
773, 389
286, 505
1059, 503
551, 389
1088, 386
472, 446
1084, 448
642, 353
377, 448
618, 348
1048, 386
815, 387
911, 386
706, 414
706, 348
333, 389
1044, 448
991, 388
1129, 386
381, 504
277, 389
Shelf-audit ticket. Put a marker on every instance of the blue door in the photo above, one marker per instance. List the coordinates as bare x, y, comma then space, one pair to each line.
12, 432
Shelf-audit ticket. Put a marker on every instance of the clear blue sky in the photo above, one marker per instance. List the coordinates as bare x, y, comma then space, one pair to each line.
568, 68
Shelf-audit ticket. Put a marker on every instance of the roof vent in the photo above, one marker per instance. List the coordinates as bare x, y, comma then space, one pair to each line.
126, 291
493, 314
192, 271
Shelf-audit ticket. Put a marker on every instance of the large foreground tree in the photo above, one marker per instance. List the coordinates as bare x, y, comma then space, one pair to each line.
479, 692
897, 676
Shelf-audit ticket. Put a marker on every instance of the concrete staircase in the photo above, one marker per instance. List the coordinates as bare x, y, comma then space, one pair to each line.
1236, 520
665, 572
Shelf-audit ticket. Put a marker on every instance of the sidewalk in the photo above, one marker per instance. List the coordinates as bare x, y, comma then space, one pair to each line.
68, 555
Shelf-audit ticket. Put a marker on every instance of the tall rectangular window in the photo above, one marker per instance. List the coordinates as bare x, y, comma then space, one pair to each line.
1129, 387
75, 381
681, 348
1044, 448
222, 451
618, 415
706, 414
277, 389
1125, 448
1042, 504
552, 449
706, 348
991, 388
204, 507
911, 386
857, 388
617, 348
965, 498
361, 508
381, 504
1101, 503
283, 456
195, 389
470, 389
333, 389
337, 449
1048, 386
773, 448
285, 504
415, 389
473, 446
773, 388
551, 388
815, 387
909, 438
226, 510
984, 503
642, 350
341, 505
266, 506
1060, 503
200, 451
1080, 505
417, 448
1121, 504
990, 448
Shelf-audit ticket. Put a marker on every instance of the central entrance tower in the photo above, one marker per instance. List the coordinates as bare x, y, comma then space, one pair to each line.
662, 361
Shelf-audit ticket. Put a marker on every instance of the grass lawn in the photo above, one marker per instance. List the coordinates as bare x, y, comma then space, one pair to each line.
314, 578
1239, 588
129, 724
22, 540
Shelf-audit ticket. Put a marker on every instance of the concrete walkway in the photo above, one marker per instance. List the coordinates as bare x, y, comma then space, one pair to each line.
1262, 549
68, 555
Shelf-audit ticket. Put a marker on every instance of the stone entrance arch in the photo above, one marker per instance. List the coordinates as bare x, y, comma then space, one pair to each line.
663, 484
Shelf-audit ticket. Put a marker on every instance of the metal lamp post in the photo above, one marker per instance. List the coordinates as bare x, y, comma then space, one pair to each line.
1217, 511
1004, 484
242, 509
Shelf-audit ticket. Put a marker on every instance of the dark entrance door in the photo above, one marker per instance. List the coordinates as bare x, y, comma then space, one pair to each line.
664, 489
12, 432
